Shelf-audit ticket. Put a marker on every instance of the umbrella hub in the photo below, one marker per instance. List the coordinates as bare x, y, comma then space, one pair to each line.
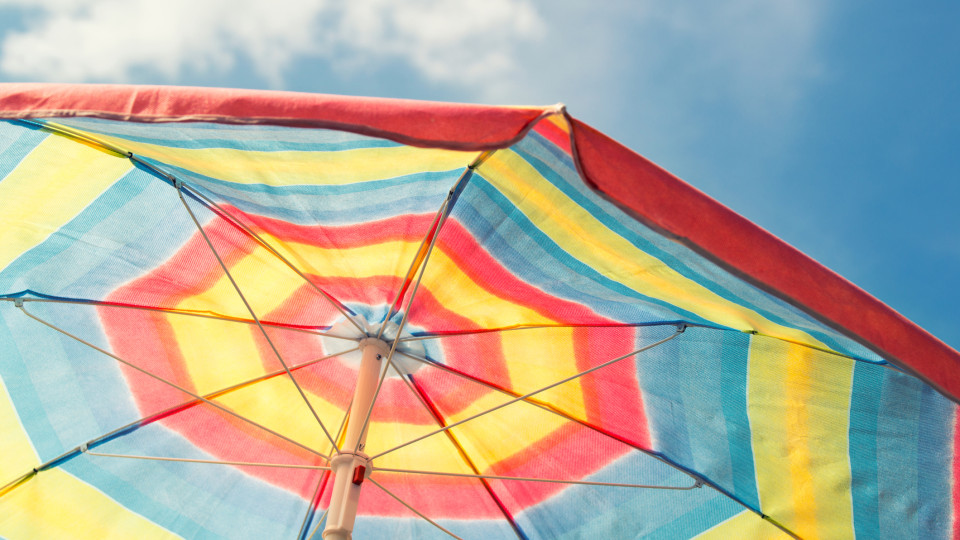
348, 329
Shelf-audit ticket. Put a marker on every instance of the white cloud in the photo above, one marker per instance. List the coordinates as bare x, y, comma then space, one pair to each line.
664, 62
117, 40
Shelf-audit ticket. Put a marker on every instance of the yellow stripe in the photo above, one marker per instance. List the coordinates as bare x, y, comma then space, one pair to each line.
54, 183
54, 504
798, 405
383, 259
434, 453
502, 434
276, 404
541, 358
286, 168
744, 526
577, 231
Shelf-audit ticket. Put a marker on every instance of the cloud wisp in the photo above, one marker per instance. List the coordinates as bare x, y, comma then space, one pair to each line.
131, 40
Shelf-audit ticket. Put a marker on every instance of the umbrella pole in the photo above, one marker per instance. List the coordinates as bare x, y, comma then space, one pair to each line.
351, 468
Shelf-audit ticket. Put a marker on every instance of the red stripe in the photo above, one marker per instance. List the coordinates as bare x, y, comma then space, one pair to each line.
612, 394
555, 134
448, 125
404, 228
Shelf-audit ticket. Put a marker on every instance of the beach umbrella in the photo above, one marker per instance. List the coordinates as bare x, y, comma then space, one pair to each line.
249, 314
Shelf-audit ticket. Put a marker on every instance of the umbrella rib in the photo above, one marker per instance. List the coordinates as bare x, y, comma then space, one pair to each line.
444, 209
226, 215
170, 383
883, 364
171, 311
314, 497
460, 449
132, 426
11, 485
78, 135
87, 451
695, 485
680, 329
412, 509
431, 234
413, 266
562, 414
319, 523
546, 326
263, 330
548, 408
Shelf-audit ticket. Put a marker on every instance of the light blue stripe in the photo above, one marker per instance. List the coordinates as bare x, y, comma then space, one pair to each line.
733, 357
130, 229
864, 418
935, 455
694, 395
204, 135
328, 204
415, 528
603, 512
897, 457
16, 142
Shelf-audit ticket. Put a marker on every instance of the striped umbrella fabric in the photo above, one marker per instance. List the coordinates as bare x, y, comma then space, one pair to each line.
573, 342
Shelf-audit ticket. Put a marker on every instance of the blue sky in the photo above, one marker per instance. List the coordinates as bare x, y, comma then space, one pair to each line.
834, 125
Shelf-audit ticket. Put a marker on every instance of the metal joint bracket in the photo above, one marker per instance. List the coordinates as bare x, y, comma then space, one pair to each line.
18, 302
681, 327
84, 447
381, 346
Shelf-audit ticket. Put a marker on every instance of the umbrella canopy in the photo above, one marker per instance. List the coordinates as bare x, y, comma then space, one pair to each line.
269, 315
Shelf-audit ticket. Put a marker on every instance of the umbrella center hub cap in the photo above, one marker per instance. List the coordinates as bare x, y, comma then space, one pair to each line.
401, 358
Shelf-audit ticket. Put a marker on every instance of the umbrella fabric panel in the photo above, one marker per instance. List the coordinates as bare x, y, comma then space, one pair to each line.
529, 207
502, 366
527, 243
